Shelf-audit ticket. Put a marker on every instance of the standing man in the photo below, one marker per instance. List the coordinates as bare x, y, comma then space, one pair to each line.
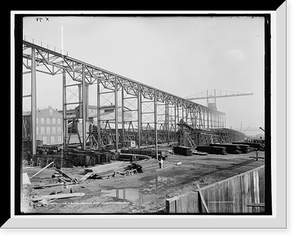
161, 162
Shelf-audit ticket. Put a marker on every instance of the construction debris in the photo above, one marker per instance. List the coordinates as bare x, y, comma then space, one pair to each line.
104, 170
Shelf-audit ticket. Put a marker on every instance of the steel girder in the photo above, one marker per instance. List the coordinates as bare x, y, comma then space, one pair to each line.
54, 63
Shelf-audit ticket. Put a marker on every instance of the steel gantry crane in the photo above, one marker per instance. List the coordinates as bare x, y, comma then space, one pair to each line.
154, 113
212, 95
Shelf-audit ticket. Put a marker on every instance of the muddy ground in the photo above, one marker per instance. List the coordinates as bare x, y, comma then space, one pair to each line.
140, 193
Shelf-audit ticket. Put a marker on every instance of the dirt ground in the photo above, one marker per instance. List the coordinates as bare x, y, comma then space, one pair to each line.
140, 193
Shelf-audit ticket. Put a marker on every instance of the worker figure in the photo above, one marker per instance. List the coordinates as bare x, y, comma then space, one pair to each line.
160, 162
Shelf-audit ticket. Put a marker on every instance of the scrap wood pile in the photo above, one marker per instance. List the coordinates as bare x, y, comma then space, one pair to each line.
59, 178
58, 183
111, 170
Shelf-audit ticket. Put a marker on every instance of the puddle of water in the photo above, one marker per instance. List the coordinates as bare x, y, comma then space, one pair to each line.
140, 197
158, 179
133, 195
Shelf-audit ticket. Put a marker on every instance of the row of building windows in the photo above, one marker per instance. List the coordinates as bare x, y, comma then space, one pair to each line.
53, 130
52, 140
42, 120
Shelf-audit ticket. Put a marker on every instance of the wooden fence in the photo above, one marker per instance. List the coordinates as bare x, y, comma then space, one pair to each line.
244, 193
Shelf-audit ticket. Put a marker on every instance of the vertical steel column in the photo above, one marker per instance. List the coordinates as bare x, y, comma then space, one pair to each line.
87, 101
139, 110
80, 97
116, 114
186, 114
83, 105
207, 116
65, 121
175, 116
123, 117
167, 119
98, 115
155, 124
33, 101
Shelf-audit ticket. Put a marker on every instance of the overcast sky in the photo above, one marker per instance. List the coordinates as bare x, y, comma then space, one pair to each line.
180, 55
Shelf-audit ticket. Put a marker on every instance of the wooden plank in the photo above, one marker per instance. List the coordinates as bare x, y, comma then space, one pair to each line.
184, 203
51, 163
66, 175
25, 179
171, 205
86, 176
48, 185
261, 177
196, 202
190, 204
203, 202
57, 196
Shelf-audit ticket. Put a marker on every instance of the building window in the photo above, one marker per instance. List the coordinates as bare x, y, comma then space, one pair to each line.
50, 111
58, 139
53, 130
44, 140
58, 121
53, 120
37, 130
58, 130
42, 130
48, 130
37, 120
52, 141
42, 120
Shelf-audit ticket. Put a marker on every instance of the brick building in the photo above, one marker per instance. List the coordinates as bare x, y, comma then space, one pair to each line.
49, 126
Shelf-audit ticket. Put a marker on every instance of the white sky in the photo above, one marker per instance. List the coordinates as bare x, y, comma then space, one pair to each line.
180, 55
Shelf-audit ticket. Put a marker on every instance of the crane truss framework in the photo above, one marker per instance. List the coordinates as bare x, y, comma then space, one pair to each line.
155, 113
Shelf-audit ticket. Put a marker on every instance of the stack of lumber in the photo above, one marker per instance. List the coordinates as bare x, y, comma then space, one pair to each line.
212, 150
182, 150
104, 170
252, 145
244, 148
230, 148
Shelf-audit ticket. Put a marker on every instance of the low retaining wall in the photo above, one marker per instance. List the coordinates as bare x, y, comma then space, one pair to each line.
244, 193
